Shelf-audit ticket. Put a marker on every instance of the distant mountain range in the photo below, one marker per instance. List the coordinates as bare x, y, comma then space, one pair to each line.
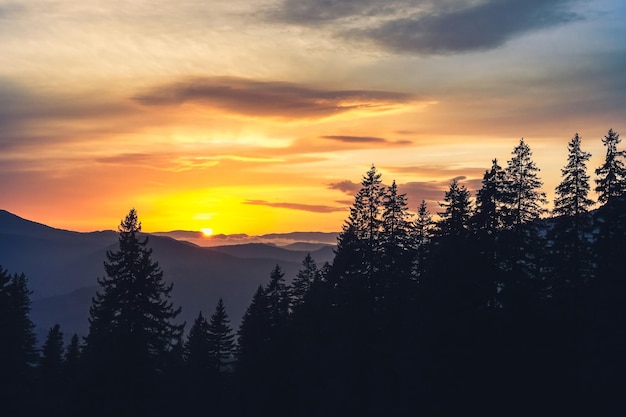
62, 267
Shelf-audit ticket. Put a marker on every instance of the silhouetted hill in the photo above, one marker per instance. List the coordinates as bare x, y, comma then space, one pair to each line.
62, 268
262, 250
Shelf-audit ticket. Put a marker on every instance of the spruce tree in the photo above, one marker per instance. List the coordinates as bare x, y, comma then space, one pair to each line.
611, 181
303, 281
18, 353
220, 337
71, 360
358, 245
277, 296
196, 348
397, 241
524, 187
454, 220
491, 201
130, 326
422, 234
571, 261
51, 363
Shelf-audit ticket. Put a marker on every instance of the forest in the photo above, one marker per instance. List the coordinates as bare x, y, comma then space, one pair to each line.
493, 306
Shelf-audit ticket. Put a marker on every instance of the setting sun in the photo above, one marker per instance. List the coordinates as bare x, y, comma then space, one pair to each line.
207, 231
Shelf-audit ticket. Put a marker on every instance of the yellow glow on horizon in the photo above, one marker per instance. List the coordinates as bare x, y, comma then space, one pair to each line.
207, 232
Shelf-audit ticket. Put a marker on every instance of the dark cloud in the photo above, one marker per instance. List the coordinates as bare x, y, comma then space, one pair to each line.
365, 139
480, 27
309, 12
356, 139
429, 27
345, 186
274, 99
296, 206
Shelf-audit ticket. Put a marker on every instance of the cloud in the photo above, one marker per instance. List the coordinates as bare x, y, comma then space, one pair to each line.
346, 186
365, 139
296, 206
429, 27
270, 99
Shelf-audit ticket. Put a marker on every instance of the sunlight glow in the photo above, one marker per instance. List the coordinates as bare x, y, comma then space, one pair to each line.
207, 232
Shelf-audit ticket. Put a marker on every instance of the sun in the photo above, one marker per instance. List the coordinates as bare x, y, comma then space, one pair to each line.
207, 231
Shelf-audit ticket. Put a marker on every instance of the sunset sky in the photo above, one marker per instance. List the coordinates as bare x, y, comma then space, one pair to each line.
260, 116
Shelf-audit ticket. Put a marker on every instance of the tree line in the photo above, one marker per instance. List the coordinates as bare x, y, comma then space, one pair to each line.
493, 308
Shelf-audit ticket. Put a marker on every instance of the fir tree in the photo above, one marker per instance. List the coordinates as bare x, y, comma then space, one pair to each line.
397, 241
491, 200
220, 337
17, 343
196, 348
277, 297
457, 211
524, 187
571, 261
611, 181
422, 234
71, 360
51, 363
303, 281
360, 236
130, 326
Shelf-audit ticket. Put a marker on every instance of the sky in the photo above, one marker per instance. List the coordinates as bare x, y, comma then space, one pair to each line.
261, 116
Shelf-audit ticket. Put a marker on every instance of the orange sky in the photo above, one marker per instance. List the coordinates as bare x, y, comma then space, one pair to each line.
261, 116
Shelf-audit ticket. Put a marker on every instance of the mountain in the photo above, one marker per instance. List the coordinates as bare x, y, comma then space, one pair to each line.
62, 267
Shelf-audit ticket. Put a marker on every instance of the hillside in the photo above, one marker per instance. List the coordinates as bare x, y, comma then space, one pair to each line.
62, 268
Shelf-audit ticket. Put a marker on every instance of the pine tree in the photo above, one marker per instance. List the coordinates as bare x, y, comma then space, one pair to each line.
196, 348
455, 218
524, 187
277, 297
571, 261
422, 234
360, 237
491, 200
611, 181
397, 241
303, 281
130, 326
220, 338
17, 343
51, 363
71, 360
253, 334
51, 367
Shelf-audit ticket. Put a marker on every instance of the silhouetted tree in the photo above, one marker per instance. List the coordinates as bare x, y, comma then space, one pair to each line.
71, 360
305, 277
197, 348
51, 362
524, 187
491, 200
220, 338
396, 236
611, 181
51, 371
277, 296
17, 344
571, 260
422, 234
130, 327
454, 220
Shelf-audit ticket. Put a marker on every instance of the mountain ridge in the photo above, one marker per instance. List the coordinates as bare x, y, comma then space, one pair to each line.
62, 267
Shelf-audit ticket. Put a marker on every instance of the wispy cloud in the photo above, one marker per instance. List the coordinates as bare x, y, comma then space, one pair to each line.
270, 98
365, 139
345, 186
296, 206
